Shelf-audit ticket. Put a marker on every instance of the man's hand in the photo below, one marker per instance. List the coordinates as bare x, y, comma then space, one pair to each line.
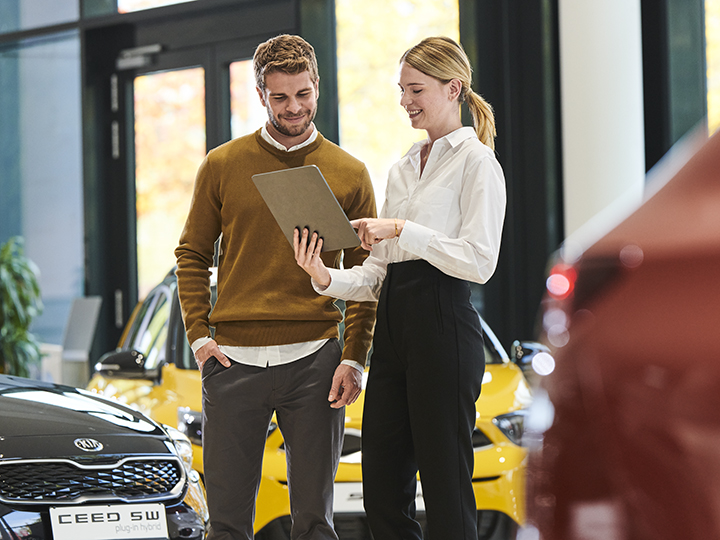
307, 254
208, 350
346, 386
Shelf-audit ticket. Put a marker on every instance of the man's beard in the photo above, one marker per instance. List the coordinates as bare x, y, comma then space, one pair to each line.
291, 131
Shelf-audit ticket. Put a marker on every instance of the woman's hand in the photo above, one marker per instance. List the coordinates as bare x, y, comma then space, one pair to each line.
307, 255
373, 231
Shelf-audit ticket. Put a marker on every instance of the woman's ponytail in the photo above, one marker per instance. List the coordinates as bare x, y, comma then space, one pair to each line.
444, 59
483, 118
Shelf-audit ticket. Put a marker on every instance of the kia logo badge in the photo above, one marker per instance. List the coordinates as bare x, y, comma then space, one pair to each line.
88, 445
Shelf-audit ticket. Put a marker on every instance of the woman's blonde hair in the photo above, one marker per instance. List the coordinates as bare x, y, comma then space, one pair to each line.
444, 59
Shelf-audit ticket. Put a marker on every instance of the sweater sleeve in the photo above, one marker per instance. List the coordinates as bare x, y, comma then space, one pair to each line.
359, 316
195, 254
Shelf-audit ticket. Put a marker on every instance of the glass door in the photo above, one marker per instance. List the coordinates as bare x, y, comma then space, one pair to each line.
246, 112
171, 124
161, 87
170, 143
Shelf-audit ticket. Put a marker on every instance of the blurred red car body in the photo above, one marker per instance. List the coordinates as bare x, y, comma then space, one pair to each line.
630, 446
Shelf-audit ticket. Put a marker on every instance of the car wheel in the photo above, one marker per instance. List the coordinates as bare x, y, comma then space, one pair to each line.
495, 526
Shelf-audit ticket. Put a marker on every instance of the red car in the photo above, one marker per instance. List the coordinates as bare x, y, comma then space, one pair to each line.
626, 441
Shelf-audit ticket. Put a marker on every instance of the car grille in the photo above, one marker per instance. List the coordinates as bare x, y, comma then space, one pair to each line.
66, 482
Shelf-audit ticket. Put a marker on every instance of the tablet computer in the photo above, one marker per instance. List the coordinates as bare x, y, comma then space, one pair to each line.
300, 197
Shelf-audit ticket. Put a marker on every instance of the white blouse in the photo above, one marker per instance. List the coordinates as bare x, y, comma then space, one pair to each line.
454, 214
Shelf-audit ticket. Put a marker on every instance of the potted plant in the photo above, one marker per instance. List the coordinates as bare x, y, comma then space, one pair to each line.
19, 304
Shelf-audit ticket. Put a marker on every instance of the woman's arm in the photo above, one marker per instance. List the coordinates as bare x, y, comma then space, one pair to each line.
471, 251
361, 283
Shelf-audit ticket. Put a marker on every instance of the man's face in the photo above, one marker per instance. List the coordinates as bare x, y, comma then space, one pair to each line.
291, 101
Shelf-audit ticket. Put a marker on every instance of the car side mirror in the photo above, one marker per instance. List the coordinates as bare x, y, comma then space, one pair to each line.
522, 353
126, 365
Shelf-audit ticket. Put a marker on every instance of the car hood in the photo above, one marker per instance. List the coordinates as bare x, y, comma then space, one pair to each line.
55, 416
504, 389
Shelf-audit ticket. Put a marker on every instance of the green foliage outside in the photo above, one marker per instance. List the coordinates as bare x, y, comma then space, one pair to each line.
19, 304
371, 37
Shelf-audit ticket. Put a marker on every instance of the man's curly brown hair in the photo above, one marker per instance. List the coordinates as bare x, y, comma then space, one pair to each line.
286, 53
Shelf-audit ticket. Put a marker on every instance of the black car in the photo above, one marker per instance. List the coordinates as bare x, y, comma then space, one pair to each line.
77, 466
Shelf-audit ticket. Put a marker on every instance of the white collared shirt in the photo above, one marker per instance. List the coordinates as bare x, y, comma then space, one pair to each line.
454, 214
274, 355
265, 134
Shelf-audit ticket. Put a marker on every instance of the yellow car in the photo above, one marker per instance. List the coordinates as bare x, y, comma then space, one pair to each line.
153, 369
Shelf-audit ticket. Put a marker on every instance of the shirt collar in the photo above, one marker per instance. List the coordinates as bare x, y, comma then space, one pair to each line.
459, 135
265, 134
454, 138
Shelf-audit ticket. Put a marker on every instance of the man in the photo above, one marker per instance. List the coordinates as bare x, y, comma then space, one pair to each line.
275, 347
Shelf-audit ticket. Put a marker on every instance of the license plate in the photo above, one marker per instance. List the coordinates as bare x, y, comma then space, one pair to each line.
110, 522
349, 498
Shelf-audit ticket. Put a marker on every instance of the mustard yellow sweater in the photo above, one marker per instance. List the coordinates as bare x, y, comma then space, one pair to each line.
264, 297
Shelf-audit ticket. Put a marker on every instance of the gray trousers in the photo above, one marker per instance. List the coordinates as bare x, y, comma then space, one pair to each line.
238, 403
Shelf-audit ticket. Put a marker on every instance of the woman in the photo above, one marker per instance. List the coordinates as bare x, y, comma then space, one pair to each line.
440, 227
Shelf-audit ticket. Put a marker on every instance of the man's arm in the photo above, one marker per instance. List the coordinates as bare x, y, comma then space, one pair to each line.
359, 316
195, 255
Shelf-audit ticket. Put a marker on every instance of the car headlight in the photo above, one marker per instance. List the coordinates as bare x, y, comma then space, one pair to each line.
512, 425
183, 446
190, 423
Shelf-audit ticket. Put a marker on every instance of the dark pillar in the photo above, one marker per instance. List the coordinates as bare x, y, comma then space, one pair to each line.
317, 25
514, 50
110, 266
674, 72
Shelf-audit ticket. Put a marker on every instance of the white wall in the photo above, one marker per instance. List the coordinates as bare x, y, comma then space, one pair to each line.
602, 106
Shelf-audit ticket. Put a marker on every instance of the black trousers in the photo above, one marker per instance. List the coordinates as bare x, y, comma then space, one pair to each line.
425, 376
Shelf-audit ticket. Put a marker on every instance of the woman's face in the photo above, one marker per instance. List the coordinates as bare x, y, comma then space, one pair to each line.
430, 104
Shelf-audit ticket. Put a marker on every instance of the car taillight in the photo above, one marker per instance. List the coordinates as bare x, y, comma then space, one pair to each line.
560, 286
572, 288
561, 281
